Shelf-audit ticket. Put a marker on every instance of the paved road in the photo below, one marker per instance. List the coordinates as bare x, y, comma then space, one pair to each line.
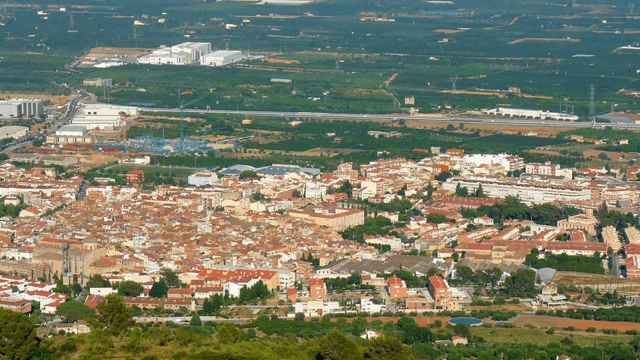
435, 118
62, 119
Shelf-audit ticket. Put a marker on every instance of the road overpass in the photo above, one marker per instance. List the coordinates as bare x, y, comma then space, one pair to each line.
426, 118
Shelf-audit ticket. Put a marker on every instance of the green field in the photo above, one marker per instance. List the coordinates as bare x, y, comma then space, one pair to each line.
341, 62
498, 335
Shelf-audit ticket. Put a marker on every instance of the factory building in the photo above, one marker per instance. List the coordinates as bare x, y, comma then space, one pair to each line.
102, 116
222, 58
13, 132
21, 109
70, 134
187, 53
97, 82
531, 114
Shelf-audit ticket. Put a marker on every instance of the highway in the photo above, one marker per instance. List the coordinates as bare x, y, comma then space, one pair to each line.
426, 118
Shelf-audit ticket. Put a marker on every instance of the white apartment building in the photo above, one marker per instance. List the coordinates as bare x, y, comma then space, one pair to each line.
313, 309
314, 190
506, 161
527, 191
548, 169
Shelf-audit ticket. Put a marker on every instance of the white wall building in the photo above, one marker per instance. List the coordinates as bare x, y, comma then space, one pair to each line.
105, 291
507, 161
203, 178
527, 191
531, 114
548, 169
314, 190
369, 307
102, 116
72, 130
187, 53
21, 109
222, 58
316, 308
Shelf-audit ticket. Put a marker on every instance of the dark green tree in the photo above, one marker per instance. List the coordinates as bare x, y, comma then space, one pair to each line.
195, 320
383, 348
521, 283
336, 346
18, 340
171, 278
74, 311
159, 289
129, 288
112, 316
97, 281
228, 334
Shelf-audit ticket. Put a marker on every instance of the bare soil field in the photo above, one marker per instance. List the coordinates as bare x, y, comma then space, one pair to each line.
57, 100
425, 124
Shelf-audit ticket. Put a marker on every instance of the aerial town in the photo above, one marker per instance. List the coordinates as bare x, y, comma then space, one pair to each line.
319, 180
393, 235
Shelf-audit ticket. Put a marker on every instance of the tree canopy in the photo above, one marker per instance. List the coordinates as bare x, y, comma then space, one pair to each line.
74, 311
113, 316
18, 339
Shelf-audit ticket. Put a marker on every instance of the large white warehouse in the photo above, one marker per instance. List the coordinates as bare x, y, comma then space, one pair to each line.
102, 116
531, 114
222, 58
182, 54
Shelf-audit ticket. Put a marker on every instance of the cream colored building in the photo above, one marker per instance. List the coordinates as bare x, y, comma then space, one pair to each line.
335, 218
610, 237
585, 222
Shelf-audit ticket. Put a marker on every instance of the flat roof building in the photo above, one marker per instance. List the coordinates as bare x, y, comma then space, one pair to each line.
102, 116
221, 58
21, 109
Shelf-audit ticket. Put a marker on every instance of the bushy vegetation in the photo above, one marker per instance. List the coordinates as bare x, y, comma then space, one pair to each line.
115, 336
11, 210
512, 208
372, 226
625, 313
564, 262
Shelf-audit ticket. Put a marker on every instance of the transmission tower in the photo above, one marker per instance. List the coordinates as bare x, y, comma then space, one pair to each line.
592, 103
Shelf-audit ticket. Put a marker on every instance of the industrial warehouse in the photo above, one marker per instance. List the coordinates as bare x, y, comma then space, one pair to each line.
191, 53
21, 109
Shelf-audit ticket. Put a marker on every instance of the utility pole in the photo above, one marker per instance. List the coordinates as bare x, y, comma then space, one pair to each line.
592, 104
